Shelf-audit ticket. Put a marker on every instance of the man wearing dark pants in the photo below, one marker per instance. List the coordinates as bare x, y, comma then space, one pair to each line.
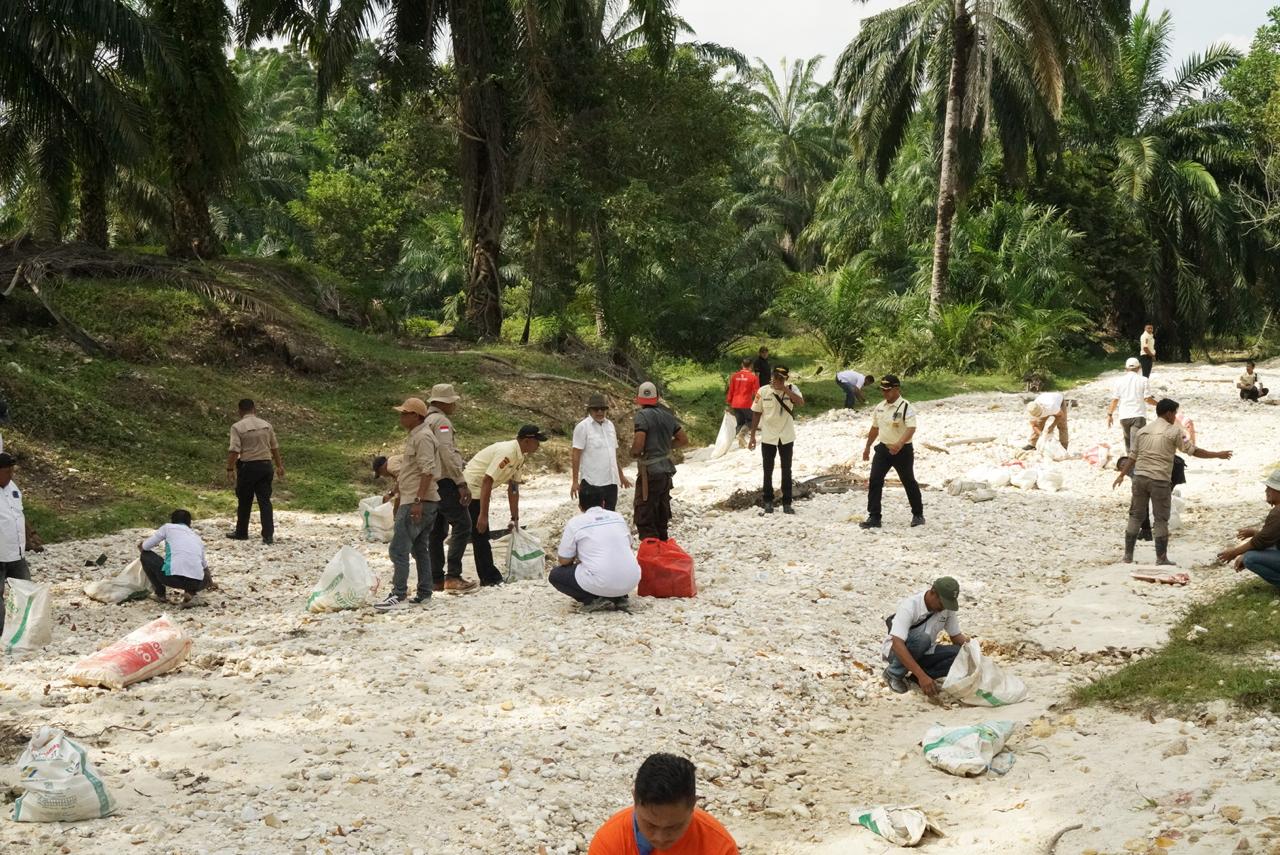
893, 422
493, 466
773, 415
454, 497
852, 383
416, 513
911, 649
656, 433
1129, 399
740, 395
1154, 449
183, 566
16, 536
1147, 349
250, 455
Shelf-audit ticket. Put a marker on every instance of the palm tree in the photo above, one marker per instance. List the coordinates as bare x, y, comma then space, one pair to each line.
972, 64
1178, 163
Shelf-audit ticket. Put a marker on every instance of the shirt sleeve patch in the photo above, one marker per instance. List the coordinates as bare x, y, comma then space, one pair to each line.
505, 462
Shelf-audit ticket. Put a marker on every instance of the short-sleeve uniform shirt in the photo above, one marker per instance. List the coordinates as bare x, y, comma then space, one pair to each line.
418, 458
893, 420
253, 439
777, 419
1147, 343
1155, 446
660, 428
501, 461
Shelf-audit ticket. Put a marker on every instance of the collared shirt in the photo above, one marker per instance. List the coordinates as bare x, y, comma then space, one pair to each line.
893, 420
911, 612
1154, 447
13, 524
501, 461
852, 378
1269, 535
660, 428
1246, 381
1131, 391
451, 462
742, 390
704, 836
1147, 343
1050, 403
418, 458
777, 426
183, 550
253, 438
601, 542
598, 442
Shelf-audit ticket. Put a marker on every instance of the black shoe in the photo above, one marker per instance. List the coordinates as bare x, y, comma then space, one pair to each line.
917, 520
231, 535
268, 539
419, 600
621, 604
787, 509
491, 584
870, 522
768, 507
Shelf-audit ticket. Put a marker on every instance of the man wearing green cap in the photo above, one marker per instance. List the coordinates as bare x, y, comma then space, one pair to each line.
1260, 551
912, 648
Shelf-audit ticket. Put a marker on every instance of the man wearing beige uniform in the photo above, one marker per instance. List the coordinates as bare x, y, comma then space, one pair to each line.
454, 496
252, 451
416, 513
493, 466
893, 423
1147, 349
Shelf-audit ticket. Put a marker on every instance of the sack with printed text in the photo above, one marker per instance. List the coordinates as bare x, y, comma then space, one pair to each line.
977, 681
666, 570
377, 519
58, 782
28, 618
346, 583
967, 751
149, 650
130, 584
525, 557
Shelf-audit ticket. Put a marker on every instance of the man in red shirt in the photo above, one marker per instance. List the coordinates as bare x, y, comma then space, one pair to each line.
740, 396
665, 819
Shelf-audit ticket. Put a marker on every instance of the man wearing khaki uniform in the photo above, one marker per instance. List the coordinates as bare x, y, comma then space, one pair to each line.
773, 414
1151, 462
250, 455
893, 422
416, 513
454, 496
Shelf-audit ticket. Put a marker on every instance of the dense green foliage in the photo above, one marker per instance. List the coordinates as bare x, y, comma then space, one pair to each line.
983, 186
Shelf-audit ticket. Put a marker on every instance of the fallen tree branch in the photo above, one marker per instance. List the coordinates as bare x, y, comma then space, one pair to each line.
971, 441
1053, 842
559, 379
937, 448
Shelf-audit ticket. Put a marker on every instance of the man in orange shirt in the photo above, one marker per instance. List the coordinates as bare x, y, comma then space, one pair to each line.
740, 395
665, 819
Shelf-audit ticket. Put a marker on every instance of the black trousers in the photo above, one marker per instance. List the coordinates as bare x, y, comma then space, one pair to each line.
11, 570
564, 579
153, 566
609, 491
449, 515
743, 416
652, 513
1146, 362
904, 463
481, 548
768, 453
253, 481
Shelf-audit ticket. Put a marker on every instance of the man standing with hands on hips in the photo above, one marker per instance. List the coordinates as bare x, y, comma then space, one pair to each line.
773, 413
893, 422
252, 450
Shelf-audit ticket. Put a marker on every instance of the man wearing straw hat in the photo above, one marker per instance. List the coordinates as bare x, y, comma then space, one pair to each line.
595, 454
1260, 551
452, 517
657, 432
1047, 406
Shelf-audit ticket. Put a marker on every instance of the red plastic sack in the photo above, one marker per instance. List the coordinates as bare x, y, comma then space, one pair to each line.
666, 570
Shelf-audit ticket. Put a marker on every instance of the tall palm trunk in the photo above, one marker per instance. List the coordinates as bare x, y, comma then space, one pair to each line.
483, 160
949, 177
92, 192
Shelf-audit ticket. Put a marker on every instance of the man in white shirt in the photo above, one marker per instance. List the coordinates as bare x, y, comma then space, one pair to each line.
1048, 406
597, 566
16, 536
1147, 349
1129, 400
183, 566
912, 648
595, 454
852, 383
773, 415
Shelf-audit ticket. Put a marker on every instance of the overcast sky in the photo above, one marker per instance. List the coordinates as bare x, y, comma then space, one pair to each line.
804, 28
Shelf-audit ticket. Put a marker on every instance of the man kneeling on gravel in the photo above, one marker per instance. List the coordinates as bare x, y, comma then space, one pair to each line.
1260, 551
183, 566
912, 648
597, 565
665, 819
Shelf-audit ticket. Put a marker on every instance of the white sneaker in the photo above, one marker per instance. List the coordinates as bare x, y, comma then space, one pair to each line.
392, 603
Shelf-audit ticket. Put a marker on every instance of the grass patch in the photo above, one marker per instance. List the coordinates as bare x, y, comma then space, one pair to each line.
1224, 663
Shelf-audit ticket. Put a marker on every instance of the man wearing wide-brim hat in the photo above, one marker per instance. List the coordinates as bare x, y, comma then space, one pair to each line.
1260, 551
657, 432
893, 423
595, 465
452, 518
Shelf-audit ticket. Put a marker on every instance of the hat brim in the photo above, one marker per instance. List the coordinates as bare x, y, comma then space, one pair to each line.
951, 604
451, 399
540, 437
646, 401
409, 410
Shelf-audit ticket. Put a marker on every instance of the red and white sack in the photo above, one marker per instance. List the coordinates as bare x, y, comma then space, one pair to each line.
149, 650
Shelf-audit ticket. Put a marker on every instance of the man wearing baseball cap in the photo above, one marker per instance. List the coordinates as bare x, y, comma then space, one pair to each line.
16, 536
493, 466
1129, 399
454, 496
416, 513
657, 432
911, 648
1260, 551
893, 422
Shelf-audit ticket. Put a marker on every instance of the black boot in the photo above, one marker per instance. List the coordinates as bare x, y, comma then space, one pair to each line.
1162, 552
1130, 540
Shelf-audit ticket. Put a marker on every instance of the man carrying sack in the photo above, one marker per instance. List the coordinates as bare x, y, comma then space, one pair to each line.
773, 414
657, 433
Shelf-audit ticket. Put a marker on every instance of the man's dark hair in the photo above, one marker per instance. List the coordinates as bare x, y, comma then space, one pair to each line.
666, 779
869, 380
1249, 364
1166, 405
746, 362
378, 463
181, 517
246, 405
590, 497
763, 349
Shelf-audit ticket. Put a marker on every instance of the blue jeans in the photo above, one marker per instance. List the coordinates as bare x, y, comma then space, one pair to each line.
850, 394
412, 538
1264, 562
935, 664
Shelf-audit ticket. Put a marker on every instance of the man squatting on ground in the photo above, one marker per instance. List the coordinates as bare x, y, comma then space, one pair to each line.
657, 432
1047, 407
1260, 551
912, 648
184, 565
1154, 449
598, 565
1250, 384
